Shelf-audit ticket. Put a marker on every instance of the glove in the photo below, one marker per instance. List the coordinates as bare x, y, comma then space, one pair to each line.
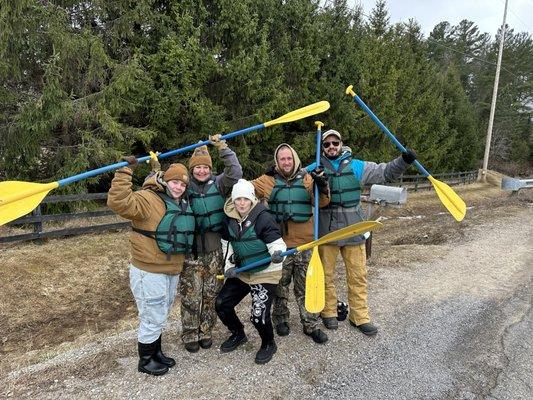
131, 160
320, 179
271, 171
342, 310
231, 273
276, 257
215, 141
409, 156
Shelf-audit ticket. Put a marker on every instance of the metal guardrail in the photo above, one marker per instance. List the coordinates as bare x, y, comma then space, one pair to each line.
514, 185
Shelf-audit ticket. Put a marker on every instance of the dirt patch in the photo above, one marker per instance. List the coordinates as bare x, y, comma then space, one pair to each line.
59, 291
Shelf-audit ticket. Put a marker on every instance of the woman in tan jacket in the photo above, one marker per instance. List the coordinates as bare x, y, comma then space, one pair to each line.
162, 232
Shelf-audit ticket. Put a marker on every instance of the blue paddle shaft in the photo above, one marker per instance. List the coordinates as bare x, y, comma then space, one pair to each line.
391, 136
318, 139
171, 153
263, 261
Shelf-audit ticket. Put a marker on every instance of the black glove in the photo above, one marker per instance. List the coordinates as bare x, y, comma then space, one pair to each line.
271, 171
342, 310
409, 156
276, 257
231, 273
320, 179
131, 160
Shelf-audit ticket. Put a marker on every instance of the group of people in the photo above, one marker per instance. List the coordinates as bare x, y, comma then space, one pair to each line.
190, 225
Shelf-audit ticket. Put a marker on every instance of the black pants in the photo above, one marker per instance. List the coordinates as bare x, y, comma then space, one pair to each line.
231, 294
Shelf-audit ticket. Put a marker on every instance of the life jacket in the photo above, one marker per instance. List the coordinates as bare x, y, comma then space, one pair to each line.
345, 188
247, 247
175, 232
290, 200
207, 205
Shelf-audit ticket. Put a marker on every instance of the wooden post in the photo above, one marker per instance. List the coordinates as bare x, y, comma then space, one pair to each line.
38, 225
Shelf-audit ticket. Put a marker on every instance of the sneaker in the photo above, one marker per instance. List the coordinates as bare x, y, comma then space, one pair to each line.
234, 341
266, 352
330, 323
368, 329
192, 347
283, 329
318, 336
205, 343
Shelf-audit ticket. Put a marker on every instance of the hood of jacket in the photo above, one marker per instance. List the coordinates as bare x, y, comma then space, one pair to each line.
297, 163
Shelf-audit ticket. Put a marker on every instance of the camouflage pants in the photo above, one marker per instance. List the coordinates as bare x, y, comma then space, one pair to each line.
199, 288
295, 269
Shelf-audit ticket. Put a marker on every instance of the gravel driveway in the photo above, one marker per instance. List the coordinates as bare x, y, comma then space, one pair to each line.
455, 323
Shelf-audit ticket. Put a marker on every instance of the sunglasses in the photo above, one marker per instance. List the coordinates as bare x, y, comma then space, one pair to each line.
327, 144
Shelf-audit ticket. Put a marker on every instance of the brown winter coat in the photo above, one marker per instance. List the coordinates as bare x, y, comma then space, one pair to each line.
145, 209
294, 233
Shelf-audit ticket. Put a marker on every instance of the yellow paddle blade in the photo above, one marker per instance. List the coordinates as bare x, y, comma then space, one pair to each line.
315, 297
307, 111
451, 200
20, 198
344, 233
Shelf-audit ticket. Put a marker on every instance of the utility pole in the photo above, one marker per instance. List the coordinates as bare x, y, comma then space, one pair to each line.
494, 95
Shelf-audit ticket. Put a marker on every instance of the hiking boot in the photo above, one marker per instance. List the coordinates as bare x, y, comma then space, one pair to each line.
283, 329
147, 363
192, 347
331, 323
234, 341
205, 343
159, 356
368, 329
266, 352
318, 336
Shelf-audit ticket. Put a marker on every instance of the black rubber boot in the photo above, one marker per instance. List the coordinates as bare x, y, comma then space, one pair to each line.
266, 352
159, 356
234, 341
147, 363
283, 329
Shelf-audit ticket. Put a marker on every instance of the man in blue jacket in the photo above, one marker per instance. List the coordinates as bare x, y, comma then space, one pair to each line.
347, 176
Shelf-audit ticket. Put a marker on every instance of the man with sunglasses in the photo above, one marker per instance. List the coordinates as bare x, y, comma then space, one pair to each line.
347, 176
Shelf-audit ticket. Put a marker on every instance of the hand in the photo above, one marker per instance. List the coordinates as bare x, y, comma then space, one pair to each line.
276, 257
215, 141
271, 171
320, 179
154, 164
131, 160
231, 273
409, 156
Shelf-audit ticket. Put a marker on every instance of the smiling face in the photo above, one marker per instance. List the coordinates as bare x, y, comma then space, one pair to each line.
285, 160
201, 172
176, 188
331, 146
243, 205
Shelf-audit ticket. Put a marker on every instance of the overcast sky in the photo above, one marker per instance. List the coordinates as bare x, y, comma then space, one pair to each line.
487, 14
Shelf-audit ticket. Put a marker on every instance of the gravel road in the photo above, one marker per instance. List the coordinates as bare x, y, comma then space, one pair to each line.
455, 323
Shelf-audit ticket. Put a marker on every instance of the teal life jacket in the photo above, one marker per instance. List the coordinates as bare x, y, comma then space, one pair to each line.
345, 188
175, 232
247, 247
207, 205
290, 200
